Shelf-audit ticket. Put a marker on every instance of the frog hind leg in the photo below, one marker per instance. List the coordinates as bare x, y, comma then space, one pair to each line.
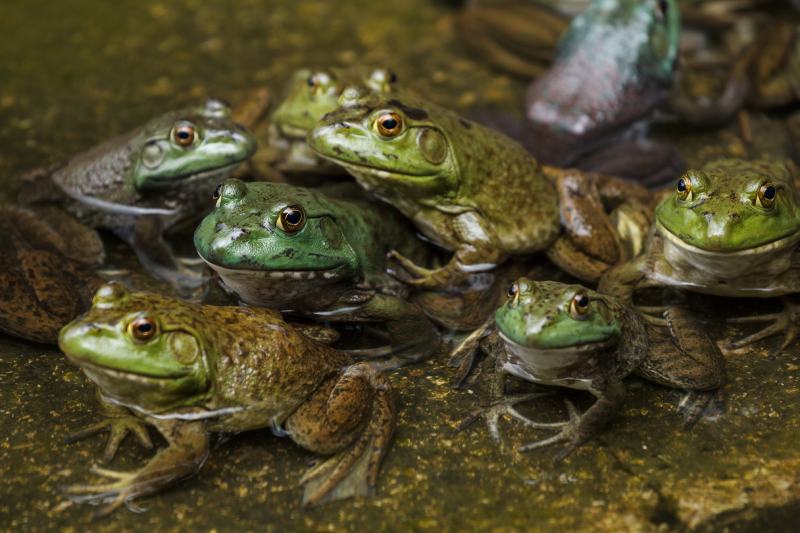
185, 454
353, 418
684, 356
786, 322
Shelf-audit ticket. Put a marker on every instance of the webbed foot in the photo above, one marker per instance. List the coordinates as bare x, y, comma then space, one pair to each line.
696, 404
505, 407
118, 429
109, 496
568, 433
785, 322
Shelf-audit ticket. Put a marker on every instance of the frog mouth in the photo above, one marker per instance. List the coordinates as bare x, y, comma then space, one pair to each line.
94, 369
291, 131
772, 246
330, 274
199, 176
565, 351
373, 171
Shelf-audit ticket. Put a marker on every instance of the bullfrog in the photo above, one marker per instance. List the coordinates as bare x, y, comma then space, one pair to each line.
564, 335
47, 265
316, 252
730, 229
309, 96
143, 183
189, 370
474, 191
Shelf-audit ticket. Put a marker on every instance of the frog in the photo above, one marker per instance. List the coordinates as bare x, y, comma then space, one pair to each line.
190, 369
47, 264
730, 229
318, 253
478, 193
568, 336
142, 184
310, 94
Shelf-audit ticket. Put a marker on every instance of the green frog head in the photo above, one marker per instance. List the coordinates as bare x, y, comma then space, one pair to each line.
732, 207
143, 350
192, 143
312, 94
298, 238
546, 316
387, 143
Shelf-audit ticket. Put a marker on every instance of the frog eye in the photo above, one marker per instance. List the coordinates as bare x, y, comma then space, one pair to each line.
513, 293
292, 219
183, 134
318, 81
382, 75
684, 189
143, 328
579, 306
389, 124
217, 194
766, 196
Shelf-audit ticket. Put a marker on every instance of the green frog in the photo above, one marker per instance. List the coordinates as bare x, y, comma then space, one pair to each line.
476, 192
563, 335
729, 229
309, 96
143, 183
316, 252
46, 271
190, 369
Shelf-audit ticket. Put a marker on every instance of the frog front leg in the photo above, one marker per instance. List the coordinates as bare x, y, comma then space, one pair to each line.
186, 451
353, 417
118, 422
786, 322
476, 249
580, 428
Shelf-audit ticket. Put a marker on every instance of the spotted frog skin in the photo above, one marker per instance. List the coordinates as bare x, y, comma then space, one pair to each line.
728, 229
190, 369
472, 190
316, 252
143, 183
309, 96
563, 335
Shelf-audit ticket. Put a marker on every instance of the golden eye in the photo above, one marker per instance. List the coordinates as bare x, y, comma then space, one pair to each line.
579, 306
183, 134
318, 81
684, 189
292, 219
767, 194
389, 124
143, 328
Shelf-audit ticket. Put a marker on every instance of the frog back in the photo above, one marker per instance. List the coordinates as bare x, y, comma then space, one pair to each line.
506, 186
258, 360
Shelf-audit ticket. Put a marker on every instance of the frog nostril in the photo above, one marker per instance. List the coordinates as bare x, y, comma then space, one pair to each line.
239, 233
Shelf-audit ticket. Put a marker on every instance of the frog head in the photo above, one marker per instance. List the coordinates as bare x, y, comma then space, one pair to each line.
732, 206
191, 144
642, 34
313, 93
549, 316
274, 243
389, 144
143, 350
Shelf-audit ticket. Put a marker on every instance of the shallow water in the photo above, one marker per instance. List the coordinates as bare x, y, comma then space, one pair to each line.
76, 72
